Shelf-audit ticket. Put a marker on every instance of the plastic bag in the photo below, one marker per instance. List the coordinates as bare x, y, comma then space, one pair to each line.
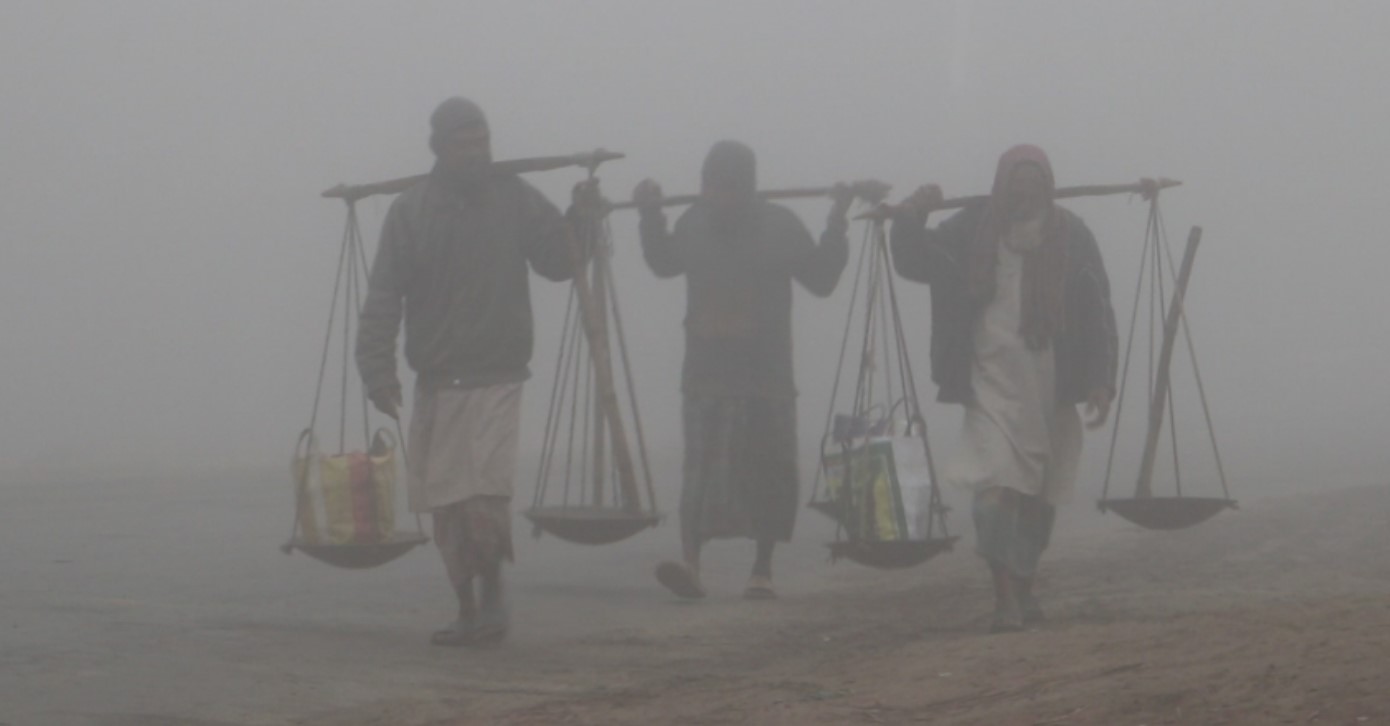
354, 493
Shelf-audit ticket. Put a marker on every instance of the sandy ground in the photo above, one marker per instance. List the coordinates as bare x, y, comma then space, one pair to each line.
139, 602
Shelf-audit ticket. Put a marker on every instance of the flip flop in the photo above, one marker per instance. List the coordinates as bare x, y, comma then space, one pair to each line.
759, 588
489, 629
486, 636
680, 580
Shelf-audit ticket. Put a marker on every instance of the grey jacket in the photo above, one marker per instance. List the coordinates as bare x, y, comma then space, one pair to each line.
455, 265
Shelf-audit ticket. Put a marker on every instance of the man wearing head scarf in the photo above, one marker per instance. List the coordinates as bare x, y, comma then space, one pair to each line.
453, 260
739, 256
1022, 332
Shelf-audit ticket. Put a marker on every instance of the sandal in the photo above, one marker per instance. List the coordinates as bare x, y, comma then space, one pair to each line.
680, 579
759, 588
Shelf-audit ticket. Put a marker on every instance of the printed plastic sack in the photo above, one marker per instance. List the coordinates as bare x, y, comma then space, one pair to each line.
354, 493
890, 496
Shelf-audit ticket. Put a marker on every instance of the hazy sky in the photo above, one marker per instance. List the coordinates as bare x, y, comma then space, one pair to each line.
167, 260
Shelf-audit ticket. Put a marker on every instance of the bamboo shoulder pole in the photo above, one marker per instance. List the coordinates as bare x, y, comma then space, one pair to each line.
589, 159
1146, 187
870, 190
681, 200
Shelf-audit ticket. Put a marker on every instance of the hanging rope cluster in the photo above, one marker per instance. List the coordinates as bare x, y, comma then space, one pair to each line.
349, 291
1144, 508
585, 445
885, 397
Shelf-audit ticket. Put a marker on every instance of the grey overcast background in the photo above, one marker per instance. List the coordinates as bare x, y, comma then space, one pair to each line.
167, 261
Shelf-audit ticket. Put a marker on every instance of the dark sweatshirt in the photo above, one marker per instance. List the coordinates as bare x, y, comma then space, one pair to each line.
455, 265
738, 329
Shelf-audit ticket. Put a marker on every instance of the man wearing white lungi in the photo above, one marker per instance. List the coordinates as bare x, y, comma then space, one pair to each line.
453, 260
1022, 332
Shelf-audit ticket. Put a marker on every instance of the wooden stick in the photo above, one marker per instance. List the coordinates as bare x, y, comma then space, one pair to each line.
599, 298
596, 331
589, 159
870, 190
1146, 187
1158, 405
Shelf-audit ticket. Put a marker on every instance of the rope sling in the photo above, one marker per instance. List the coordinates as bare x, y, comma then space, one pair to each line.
375, 547
600, 500
1166, 316
861, 480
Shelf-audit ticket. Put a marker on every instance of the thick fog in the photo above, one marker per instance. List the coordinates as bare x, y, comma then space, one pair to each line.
168, 262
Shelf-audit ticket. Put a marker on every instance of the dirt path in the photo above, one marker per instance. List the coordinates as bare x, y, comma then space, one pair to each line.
1321, 660
1278, 614
167, 603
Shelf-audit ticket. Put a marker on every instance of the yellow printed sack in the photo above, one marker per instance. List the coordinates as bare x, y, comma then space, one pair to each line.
355, 492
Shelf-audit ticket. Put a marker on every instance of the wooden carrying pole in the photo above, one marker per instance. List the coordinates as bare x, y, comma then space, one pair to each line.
869, 190
590, 159
1147, 187
1159, 403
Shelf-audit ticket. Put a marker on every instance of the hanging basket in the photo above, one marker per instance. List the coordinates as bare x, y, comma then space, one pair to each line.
891, 555
1166, 512
891, 516
345, 505
876, 470
358, 556
589, 525
612, 498
1144, 509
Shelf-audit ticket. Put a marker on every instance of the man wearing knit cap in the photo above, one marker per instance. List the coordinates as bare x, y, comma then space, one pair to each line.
739, 256
453, 260
1022, 332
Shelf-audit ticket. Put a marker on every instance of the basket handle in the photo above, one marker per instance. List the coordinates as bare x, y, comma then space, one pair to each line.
304, 449
386, 437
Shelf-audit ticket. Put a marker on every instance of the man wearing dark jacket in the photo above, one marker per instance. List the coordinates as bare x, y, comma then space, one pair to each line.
1022, 332
453, 260
739, 256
